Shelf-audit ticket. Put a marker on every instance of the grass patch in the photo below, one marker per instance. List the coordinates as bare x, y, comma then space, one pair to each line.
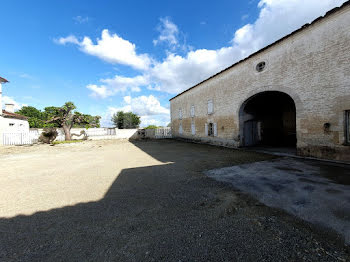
66, 142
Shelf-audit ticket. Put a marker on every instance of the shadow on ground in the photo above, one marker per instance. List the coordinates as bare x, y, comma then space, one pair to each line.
169, 212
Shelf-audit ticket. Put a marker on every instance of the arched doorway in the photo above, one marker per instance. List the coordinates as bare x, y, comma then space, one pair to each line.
268, 119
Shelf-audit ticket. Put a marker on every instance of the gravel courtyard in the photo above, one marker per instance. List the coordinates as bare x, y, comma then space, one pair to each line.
143, 201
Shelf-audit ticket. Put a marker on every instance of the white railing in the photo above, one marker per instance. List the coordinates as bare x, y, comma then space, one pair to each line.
24, 138
162, 133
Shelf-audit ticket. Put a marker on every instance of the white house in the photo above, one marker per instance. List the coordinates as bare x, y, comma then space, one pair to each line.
10, 122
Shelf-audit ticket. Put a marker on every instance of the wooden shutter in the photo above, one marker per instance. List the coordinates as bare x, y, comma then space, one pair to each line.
206, 129
215, 130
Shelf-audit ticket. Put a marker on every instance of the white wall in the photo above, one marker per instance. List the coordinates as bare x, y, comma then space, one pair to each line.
18, 126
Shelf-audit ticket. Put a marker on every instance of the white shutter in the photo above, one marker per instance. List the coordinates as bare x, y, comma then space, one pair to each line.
206, 129
180, 113
193, 128
192, 111
180, 128
215, 130
210, 107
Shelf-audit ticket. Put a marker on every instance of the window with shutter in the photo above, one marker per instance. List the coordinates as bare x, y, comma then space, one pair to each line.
206, 129
210, 107
192, 111
180, 113
215, 130
193, 128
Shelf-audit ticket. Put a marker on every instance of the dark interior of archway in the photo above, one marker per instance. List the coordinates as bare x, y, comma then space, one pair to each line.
269, 120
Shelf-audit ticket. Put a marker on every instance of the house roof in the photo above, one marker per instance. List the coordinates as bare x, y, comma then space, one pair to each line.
3, 80
7, 114
330, 12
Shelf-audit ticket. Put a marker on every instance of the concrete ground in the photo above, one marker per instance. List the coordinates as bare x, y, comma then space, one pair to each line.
315, 191
144, 201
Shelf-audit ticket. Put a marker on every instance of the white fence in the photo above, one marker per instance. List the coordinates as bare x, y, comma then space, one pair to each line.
162, 133
26, 138
32, 136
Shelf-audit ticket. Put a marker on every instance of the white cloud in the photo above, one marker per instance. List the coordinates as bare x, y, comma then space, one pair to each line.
147, 107
80, 19
11, 100
110, 48
71, 39
168, 33
118, 84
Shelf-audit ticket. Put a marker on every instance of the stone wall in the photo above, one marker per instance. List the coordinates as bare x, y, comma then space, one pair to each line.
312, 66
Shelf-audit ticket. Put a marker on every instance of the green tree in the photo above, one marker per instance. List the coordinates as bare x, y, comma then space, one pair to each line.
34, 116
151, 127
30, 111
126, 120
66, 118
40, 119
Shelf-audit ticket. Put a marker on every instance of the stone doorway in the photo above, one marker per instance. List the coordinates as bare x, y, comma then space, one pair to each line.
268, 119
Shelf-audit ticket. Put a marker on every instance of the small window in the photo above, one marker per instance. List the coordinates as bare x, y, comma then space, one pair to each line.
347, 127
210, 107
260, 67
192, 111
180, 113
11, 124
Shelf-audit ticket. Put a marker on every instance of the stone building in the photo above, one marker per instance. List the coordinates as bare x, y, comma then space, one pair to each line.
292, 93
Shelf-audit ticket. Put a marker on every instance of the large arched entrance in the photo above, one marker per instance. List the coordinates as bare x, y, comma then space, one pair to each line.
268, 119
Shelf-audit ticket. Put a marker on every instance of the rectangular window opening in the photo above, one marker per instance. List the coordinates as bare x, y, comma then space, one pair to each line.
210, 129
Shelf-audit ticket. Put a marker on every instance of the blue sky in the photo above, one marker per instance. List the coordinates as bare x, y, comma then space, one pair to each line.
107, 56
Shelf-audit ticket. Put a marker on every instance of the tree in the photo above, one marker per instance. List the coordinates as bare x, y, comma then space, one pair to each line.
40, 119
34, 116
151, 127
65, 117
126, 120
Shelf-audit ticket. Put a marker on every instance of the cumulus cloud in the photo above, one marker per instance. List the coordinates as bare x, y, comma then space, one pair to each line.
110, 48
147, 107
118, 84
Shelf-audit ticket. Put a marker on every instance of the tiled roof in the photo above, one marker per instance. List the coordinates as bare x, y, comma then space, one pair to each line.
13, 115
334, 10
3, 80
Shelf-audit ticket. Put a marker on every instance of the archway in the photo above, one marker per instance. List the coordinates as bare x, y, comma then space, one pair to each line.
268, 119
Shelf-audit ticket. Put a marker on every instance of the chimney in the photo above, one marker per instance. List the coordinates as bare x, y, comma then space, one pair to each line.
10, 108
